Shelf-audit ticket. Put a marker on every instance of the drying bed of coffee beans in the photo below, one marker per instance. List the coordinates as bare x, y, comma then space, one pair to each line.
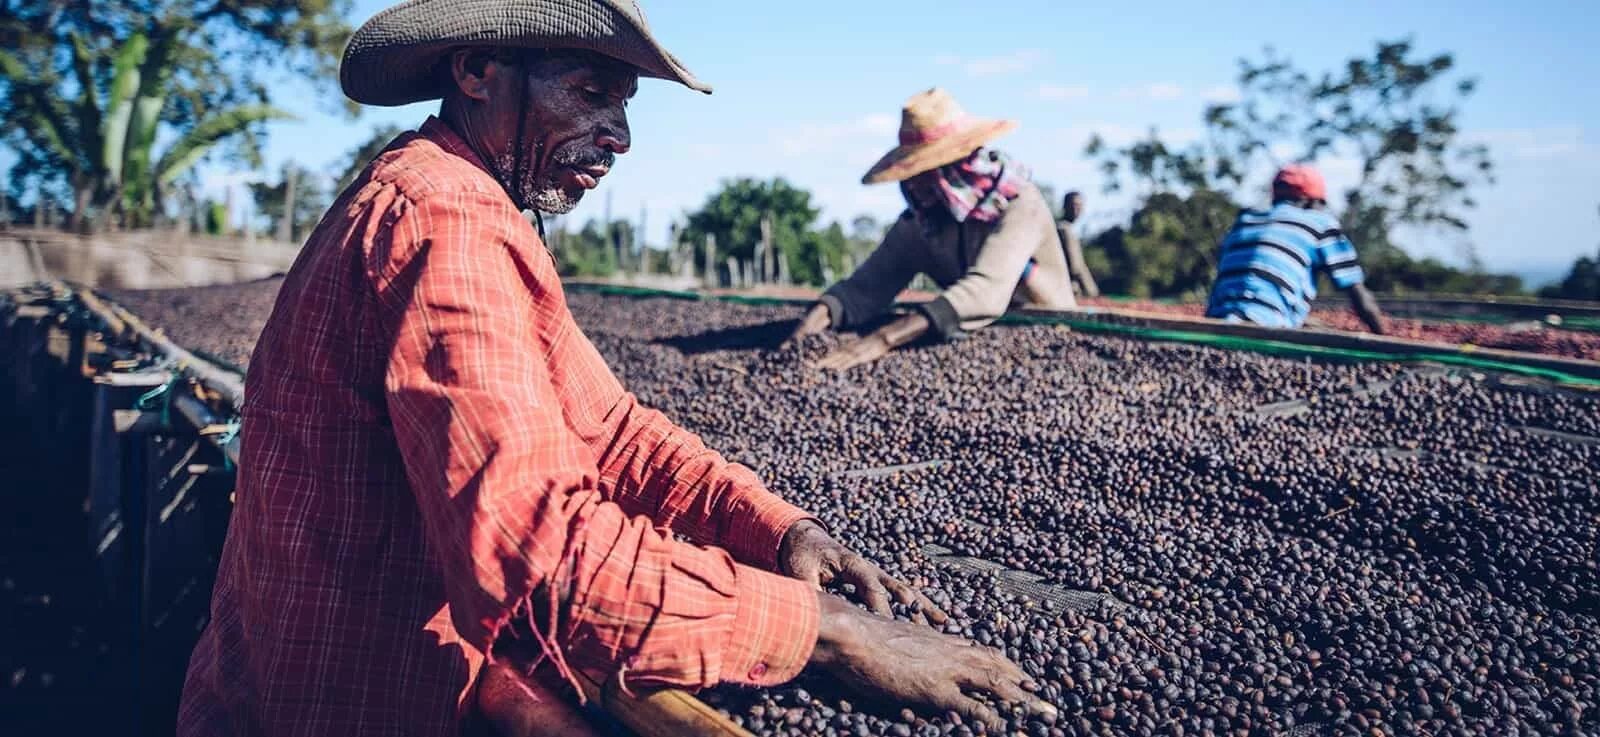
1527, 335
1173, 540
221, 321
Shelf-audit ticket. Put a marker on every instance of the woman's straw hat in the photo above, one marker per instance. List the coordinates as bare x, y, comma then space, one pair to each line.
393, 58
934, 131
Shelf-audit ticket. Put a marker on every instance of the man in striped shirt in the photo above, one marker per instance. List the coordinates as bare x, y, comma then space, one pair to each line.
1268, 269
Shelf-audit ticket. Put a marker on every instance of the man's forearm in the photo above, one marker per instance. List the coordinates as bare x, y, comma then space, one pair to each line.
905, 329
1366, 307
660, 470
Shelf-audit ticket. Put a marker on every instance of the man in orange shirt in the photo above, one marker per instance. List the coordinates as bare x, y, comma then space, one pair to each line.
433, 451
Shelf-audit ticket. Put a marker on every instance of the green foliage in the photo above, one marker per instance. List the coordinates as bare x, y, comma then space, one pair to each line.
1393, 113
589, 252
218, 221
1169, 248
89, 86
310, 201
733, 214
820, 251
360, 156
1582, 282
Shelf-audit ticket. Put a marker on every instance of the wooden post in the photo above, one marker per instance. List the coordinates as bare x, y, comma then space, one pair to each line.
286, 223
769, 270
711, 280
639, 241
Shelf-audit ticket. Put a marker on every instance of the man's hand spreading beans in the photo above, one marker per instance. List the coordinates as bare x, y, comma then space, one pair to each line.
816, 320
902, 662
809, 553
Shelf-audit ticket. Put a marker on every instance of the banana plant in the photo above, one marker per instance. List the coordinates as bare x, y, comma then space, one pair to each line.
107, 146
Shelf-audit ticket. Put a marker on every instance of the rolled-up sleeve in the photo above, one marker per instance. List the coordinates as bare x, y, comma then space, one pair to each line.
510, 498
652, 467
982, 295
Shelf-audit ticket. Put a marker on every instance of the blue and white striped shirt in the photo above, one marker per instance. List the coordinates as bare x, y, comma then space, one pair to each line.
1268, 269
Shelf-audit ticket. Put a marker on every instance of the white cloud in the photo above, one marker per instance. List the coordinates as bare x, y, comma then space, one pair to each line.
1063, 92
1155, 91
827, 137
1545, 142
1221, 94
990, 66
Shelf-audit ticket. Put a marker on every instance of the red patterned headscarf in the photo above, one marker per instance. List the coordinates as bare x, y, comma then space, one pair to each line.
979, 187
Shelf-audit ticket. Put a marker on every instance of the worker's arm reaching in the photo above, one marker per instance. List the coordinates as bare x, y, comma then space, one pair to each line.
1336, 255
870, 290
1366, 307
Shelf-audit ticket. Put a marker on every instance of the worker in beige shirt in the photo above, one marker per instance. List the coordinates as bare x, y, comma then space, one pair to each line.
974, 224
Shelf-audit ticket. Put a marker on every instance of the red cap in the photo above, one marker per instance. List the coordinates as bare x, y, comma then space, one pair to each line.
1299, 181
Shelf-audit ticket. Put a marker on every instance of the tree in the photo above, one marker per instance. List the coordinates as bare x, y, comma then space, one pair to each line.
1156, 167
310, 201
1169, 248
87, 86
358, 158
1582, 282
733, 214
1385, 112
1393, 112
588, 252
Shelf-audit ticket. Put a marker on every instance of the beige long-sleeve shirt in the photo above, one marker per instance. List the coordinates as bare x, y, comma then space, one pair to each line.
980, 267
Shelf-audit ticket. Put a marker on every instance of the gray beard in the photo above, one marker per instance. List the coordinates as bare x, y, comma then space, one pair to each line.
543, 193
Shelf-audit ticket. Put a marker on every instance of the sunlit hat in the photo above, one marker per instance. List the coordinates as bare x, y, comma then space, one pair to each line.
1300, 181
392, 59
934, 131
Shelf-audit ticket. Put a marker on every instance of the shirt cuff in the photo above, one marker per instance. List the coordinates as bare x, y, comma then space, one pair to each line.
774, 629
835, 310
757, 523
943, 316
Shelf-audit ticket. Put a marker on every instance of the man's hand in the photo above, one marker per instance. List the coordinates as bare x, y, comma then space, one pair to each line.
878, 344
906, 663
856, 352
809, 553
815, 321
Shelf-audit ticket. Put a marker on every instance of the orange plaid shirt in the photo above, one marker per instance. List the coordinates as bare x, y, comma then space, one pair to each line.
430, 447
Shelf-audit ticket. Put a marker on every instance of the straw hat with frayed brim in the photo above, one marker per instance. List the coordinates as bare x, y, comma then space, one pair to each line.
934, 131
393, 58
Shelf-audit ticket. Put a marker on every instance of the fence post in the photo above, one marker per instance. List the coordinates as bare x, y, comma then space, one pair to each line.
286, 222
712, 282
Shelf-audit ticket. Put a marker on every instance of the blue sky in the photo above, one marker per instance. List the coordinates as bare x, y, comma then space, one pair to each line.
812, 90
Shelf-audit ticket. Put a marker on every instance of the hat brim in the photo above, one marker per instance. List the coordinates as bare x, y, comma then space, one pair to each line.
393, 58
907, 161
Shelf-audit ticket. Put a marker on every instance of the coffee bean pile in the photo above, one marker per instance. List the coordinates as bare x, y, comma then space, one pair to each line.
1282, 546
221, 321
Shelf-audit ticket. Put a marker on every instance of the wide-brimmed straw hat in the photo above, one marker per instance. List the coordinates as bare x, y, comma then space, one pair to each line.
393, 58
934, 131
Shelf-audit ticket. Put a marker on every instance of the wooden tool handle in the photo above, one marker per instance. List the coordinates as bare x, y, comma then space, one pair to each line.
662, 713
